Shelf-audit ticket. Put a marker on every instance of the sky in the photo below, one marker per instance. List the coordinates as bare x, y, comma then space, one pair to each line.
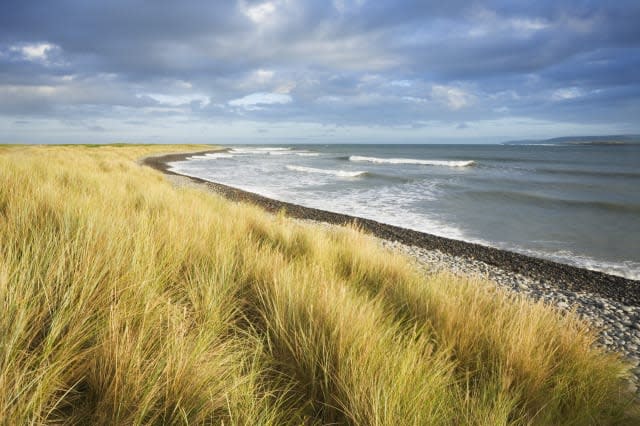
343, 71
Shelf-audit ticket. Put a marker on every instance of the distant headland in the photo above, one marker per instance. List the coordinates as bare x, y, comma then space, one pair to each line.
581, 140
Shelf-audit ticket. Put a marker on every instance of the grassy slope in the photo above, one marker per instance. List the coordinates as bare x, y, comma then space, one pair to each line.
126, 300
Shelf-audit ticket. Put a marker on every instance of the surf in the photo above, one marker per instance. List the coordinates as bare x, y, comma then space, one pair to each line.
338, 173
446, 163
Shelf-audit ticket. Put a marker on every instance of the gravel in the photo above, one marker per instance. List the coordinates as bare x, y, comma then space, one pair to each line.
617, 324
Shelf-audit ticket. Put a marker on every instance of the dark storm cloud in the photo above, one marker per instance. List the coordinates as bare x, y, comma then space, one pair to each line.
346, 62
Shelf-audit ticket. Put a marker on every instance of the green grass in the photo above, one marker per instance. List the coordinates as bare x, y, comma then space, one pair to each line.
128, 301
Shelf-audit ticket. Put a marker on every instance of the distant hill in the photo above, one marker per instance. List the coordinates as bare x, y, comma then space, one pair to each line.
581, 140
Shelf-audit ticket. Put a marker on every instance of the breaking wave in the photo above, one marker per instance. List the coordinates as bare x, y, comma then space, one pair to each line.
211, 156
377, 160
263, 151
339, 173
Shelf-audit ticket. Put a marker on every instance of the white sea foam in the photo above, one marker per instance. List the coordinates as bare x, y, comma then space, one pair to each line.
273, 151
377, 160
278, 152
262, 151
339, 173
626, 268
266, 149
209, 156
537, 144
219, 155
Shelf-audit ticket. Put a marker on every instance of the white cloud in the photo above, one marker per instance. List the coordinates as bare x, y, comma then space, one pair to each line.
255, 100
35, 52
285, 87
414, 99
453, 97
261, 12
176, 100
265, 81
361, 52
28, 91
262, 76
485, 23
566, 93
370, 78
401, 83
528, 25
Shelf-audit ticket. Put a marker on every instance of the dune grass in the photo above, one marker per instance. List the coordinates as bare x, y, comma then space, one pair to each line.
128, 301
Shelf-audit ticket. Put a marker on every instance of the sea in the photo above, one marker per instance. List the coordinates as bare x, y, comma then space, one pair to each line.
573, 204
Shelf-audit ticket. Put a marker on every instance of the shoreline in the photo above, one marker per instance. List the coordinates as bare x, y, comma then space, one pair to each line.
608, 303
622, 290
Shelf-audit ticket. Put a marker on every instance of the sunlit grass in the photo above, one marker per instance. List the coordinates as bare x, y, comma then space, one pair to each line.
128, 301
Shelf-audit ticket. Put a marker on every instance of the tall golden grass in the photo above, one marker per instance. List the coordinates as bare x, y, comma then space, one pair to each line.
129, 301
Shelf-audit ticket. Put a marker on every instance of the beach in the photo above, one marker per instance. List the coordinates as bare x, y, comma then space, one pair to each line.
571, 205
610, 303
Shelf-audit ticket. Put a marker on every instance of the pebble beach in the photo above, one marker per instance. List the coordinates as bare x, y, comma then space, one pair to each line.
617, 324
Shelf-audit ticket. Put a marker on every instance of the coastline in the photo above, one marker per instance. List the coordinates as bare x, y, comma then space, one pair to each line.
609, 303
623, 290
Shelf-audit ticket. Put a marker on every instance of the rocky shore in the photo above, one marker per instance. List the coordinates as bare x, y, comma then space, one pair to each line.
617, 324
610, 303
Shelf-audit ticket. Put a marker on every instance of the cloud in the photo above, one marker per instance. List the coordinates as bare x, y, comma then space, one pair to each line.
34, 51
401, 83
176, 100
261, 12
454, 98
262, 76
258, 100
566, 93
394, 63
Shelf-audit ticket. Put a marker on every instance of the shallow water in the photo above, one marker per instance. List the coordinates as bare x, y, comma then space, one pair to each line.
573, 204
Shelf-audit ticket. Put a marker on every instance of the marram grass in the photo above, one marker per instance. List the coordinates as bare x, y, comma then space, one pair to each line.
128, 301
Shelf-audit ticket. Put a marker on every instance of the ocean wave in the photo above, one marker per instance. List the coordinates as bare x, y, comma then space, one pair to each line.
268, 148
339, 173
445, 163
280, 153
540, 199
595, 173
625, 268
209, 156
262, 151
308, 154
